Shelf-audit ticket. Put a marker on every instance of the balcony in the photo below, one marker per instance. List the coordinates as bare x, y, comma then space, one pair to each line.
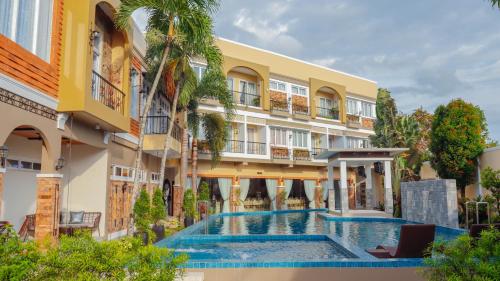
300, 111
280, 153
106, 93
235, 146
279, 107
328, 113
158, 125
246, 99
301, 155
256, 148
316, 151
353, 121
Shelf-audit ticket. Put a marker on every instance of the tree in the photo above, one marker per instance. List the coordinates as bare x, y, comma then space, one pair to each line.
385, 124
157, 206
142, 212
458, 137
179, 19
495, 3
490, 179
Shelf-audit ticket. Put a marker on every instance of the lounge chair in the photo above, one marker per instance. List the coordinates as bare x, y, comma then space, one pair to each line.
413, 242
475, 229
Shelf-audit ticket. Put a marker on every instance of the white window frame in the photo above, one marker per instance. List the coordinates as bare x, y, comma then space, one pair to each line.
155, 178
283, 135
130, 175
277, 86
355, 107
300, 139
18, 166
199, 69
299, 87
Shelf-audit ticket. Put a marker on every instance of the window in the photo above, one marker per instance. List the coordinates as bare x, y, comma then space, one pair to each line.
368, 109
277, 86
352, 107
248, 87
279, 137
135, 84
25, 165
300, 138
358, 143
298, 90
28, 23
199, 70
127, 174
155, 177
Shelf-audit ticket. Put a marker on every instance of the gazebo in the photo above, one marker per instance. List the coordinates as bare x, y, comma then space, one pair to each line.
356, 157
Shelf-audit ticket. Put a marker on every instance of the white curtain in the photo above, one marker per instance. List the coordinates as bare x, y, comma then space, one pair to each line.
288, 187
6, 17
225, 191
198, 179
310, 186
244, 188
324, 184
271, 191
189, 183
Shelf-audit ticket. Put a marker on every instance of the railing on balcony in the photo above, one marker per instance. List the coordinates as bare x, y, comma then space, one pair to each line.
327, 113
258, 148
279, 105
301, 155
300, 109
353, 121
106, 93
280, 153
246, 98
317, 151
158, 125
235, 146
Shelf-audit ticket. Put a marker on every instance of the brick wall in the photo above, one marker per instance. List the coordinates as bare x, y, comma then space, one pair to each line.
119, 206
1, 192
47, 207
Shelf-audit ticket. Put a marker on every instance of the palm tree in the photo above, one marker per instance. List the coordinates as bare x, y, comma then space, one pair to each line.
495, 3
180, 19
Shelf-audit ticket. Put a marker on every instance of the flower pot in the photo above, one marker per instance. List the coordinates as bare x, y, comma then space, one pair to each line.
144, 237
188, 221
159, 231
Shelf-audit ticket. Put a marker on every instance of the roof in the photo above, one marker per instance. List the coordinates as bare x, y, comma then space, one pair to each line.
360, 152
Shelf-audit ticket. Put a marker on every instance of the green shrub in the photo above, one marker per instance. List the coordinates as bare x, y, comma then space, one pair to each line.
188, 204
157, 206
465, 258
17, 259
204, 194
142, 212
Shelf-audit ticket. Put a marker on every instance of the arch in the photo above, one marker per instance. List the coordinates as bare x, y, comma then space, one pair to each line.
247, 85
316, 86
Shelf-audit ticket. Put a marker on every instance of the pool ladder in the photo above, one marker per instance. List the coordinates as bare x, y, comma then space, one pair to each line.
477, 212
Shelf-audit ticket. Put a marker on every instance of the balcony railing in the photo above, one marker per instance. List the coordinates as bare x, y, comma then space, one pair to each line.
317, 151
353, 121
280, 153
301, 155
158, 125
106, 93
246, 98
235, 146
279, 105
258, 148
327, 113
300, 109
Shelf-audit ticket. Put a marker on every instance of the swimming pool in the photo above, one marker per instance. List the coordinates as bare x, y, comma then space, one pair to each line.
308, 238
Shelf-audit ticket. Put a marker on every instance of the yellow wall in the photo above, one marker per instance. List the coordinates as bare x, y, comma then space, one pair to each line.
76, 65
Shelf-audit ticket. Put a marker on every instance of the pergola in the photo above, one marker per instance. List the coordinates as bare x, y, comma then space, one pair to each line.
356, 157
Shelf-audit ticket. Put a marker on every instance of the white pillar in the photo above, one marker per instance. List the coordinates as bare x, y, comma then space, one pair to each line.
245, 136
388, 203
370, 200
344, 195
331, 192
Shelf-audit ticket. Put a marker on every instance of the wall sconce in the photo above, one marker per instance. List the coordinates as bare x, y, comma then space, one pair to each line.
94, 34
4, 152
60, 163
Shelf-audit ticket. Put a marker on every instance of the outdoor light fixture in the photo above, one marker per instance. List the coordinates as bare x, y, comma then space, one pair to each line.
60, 163
94, 34
4, 152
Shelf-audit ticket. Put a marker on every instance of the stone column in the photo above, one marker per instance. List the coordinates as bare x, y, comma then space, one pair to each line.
344, 196
369, 188
47, 206
178, 194
2, 172
388, 201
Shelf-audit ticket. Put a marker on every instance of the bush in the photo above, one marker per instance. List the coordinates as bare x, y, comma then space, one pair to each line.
17, 259
142, 212
158, 206
188, 204
465, 258
204, 194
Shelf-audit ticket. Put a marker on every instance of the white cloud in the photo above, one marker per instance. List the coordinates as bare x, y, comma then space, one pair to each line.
327, 62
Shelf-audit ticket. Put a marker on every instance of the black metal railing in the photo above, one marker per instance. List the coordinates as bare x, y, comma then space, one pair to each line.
279, 105
258, 148
317, 151
300, 109
106, 93
235, 146
158, 125
246, 98
327, 113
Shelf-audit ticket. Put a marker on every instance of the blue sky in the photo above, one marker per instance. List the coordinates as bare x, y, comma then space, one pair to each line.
425, 52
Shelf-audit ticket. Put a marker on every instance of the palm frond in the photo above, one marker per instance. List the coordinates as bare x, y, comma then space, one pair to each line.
215, 128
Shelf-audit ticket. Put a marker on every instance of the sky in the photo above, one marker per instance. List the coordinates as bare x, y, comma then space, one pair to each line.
425, 52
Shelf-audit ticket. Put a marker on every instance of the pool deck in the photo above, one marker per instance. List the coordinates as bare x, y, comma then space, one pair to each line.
360, 213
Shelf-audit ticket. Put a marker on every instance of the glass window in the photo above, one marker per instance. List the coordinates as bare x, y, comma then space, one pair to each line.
279, 136
230, 84
300, 138
199, 70
297, 90
37, 166
367, 109
28, 23
277, 86
11, 163
352, 107
26, 165
248, 87
135, 84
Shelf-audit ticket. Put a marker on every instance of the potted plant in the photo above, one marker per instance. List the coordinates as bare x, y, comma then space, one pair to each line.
203, 198
158, 213
188, 208
142, 216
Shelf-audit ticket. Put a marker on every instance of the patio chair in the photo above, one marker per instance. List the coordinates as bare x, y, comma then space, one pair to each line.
476, 229
28, 228
89, 221
3, 226
413, 242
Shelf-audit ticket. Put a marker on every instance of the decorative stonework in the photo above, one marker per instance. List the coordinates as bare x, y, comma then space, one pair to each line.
47, 207
430, 201
26, 104
367, 123
279, 153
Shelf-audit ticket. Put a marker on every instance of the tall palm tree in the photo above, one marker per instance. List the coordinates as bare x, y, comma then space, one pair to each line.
495, 3
178, 18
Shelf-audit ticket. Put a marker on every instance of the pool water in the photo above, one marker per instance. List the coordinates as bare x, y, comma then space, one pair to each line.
261, 251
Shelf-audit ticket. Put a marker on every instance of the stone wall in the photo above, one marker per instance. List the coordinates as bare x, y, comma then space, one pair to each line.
430, 201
